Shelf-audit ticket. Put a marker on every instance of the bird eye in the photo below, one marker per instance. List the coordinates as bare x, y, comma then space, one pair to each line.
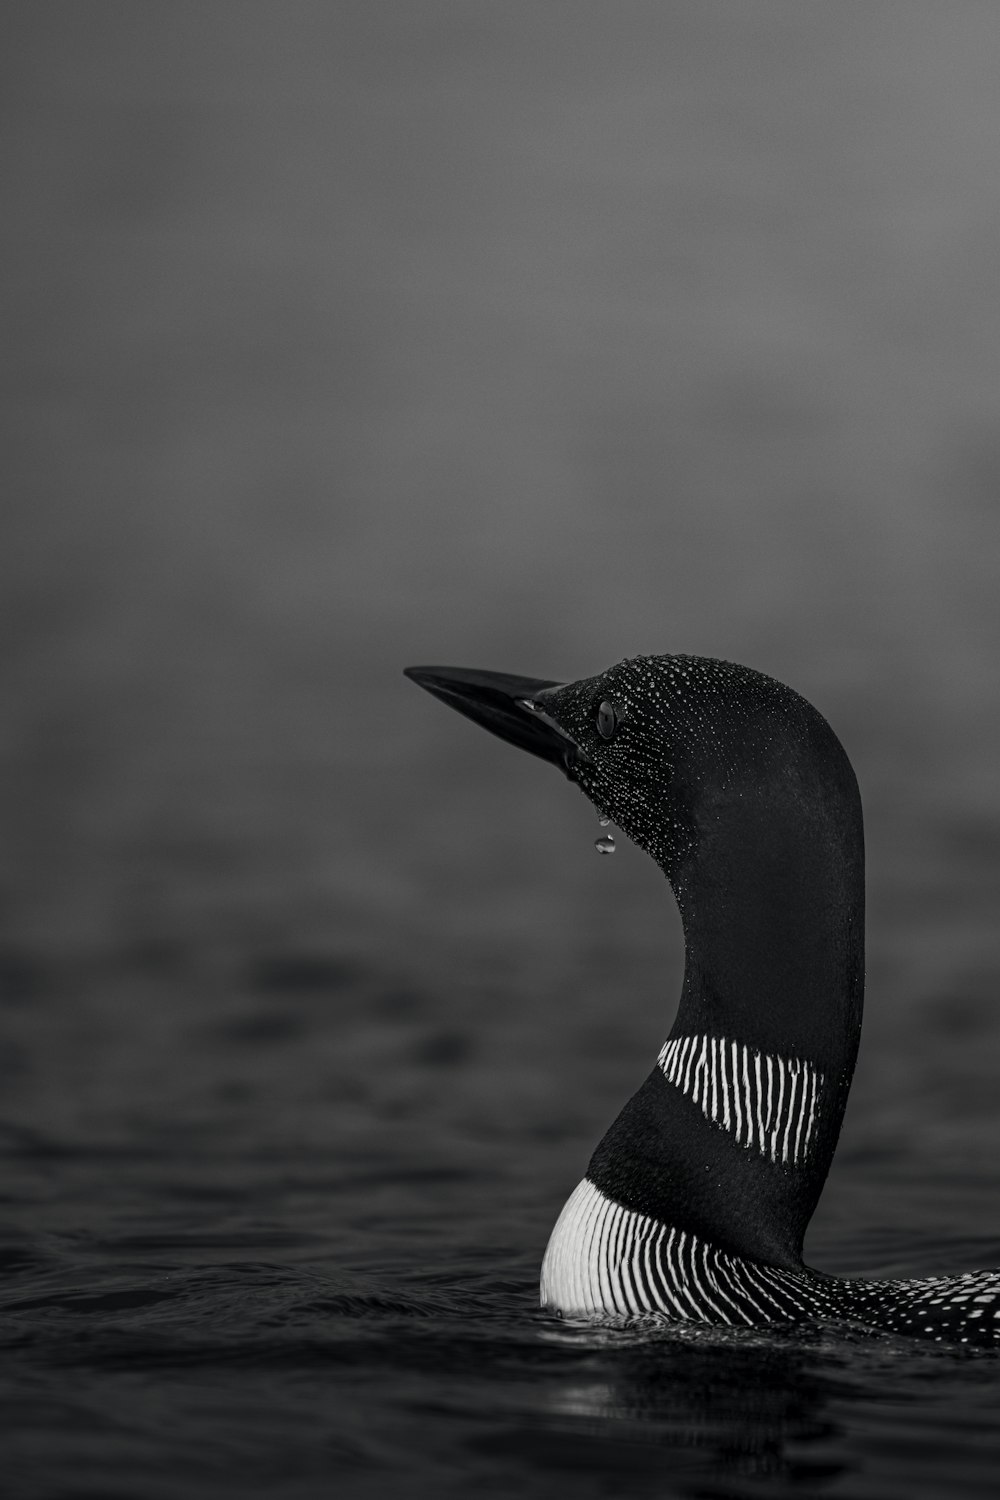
607, 720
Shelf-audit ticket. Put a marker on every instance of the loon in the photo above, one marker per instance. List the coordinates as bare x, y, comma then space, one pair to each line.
696, 1201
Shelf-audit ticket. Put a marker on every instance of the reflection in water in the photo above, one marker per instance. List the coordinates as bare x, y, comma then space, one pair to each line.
729, 1405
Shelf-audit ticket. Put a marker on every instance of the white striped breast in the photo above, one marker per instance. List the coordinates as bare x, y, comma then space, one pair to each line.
607, 1261
770, 1104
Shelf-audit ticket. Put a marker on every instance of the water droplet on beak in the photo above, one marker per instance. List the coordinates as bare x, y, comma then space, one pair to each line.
605, 844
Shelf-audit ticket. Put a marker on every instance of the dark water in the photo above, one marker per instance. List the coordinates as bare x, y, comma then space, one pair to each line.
279, 1232
529, 336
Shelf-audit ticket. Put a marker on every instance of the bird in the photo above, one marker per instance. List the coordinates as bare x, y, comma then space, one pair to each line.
694, 1205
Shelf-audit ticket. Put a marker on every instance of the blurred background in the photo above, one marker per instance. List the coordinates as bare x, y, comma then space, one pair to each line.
528, 336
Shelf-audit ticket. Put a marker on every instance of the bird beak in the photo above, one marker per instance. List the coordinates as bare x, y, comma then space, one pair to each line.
511, 707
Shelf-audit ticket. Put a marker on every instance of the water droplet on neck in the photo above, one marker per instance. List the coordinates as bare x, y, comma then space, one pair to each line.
605, 844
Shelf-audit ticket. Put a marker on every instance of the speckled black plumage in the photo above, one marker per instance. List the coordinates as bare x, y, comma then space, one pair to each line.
744, 797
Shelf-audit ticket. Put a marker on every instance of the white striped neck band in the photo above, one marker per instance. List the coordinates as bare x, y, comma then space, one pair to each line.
769, 1104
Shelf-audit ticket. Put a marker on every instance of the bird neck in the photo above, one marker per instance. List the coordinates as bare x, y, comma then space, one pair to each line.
733, 1133
773, 917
